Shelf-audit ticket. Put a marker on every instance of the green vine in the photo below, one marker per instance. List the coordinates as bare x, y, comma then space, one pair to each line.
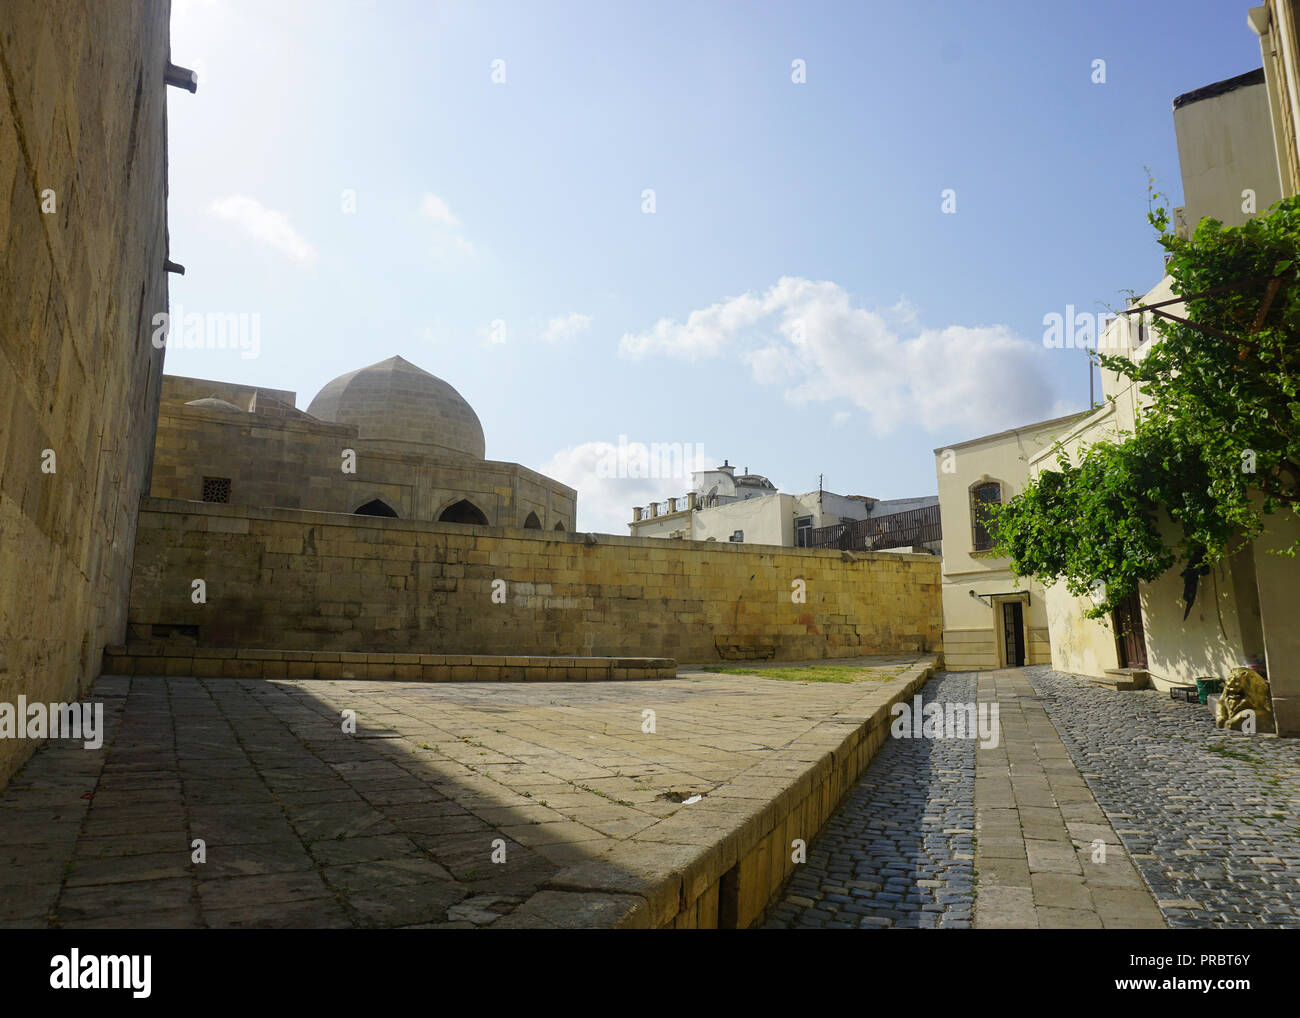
1217, 449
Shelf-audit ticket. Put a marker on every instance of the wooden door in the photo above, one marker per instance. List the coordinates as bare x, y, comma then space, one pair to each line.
1128, 633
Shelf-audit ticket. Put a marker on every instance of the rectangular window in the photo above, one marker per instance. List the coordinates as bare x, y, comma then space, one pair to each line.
982, 496
802, 529
738, 537
216, 489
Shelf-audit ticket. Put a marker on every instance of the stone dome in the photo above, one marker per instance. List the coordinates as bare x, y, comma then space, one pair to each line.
395, 402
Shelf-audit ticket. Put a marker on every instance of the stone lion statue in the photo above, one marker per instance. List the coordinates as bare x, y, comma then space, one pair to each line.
1244, 690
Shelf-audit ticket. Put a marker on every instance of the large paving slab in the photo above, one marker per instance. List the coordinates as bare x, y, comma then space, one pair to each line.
1046, 855
451, 804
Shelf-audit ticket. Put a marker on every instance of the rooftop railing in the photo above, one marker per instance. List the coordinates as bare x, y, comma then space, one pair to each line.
898, 530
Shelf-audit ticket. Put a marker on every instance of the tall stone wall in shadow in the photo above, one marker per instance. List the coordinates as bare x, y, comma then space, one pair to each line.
83, 230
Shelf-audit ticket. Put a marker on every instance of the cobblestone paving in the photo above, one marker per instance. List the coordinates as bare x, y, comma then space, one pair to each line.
1211, 818
898, 852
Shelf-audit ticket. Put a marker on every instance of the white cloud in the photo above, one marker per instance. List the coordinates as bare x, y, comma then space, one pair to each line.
808, 337
268, 226
566, 327
434, 208
600, 472
449, 241
705, 333
494, 333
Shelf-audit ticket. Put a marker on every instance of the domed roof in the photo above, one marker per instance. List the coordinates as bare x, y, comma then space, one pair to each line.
214, 403
396, 402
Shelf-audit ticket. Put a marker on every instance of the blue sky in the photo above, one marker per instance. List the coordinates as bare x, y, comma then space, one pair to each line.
797, 302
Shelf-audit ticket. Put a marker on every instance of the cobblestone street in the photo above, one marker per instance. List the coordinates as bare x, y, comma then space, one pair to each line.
898, 852
1210, 820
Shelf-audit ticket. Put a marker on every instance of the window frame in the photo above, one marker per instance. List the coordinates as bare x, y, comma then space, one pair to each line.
978, 525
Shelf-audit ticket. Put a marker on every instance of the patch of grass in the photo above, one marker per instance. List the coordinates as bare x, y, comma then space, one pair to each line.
814, 673
1223, 750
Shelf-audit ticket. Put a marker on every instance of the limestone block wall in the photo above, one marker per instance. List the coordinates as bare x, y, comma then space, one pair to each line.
286, 463
300, 580
83, 134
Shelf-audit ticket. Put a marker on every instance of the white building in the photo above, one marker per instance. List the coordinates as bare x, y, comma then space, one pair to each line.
748, 509
1237, 154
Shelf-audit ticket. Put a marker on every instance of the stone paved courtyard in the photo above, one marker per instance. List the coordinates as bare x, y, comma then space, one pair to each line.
395, 826
304, 825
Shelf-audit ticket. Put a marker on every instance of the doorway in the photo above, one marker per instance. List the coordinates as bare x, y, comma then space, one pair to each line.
1013, 633
1129, 637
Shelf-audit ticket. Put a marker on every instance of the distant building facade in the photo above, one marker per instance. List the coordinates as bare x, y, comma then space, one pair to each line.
748, 509
990, 619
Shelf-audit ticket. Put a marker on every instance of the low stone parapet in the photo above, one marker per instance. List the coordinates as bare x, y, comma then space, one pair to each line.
231, 663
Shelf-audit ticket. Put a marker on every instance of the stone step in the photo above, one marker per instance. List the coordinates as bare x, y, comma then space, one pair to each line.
253, 663
1123, 679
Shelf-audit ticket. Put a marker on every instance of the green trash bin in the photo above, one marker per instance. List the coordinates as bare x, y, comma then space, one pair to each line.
1204, 687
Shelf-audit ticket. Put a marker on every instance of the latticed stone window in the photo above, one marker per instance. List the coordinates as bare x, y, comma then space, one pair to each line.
982, 496
216, 489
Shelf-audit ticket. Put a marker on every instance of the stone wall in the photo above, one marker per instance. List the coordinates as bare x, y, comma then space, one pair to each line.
296, 580
82, 133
